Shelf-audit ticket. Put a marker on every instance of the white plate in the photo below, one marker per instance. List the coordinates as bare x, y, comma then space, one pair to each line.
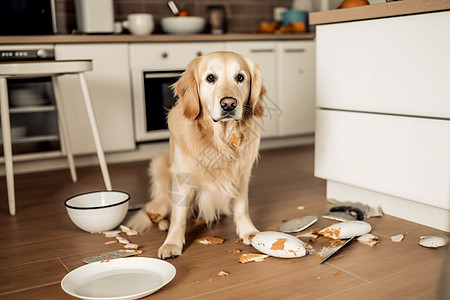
122, 278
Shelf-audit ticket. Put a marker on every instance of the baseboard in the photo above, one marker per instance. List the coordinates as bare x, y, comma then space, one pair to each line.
398, 207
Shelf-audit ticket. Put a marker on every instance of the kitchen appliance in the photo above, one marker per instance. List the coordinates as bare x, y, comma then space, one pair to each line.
32, 103
153, 98
27, 17
95, 16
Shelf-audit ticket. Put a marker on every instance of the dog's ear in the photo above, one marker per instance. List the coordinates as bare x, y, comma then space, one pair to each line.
186, 90
257, 89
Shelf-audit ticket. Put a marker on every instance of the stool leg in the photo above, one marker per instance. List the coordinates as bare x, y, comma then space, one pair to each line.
62, 124
7, 147
98, 144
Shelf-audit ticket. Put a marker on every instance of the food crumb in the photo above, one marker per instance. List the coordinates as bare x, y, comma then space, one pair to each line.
300, 207
223, 274
238, 240
234, 251
397, 238
249, 257
110, 242
210, 240
336, 272
211, 279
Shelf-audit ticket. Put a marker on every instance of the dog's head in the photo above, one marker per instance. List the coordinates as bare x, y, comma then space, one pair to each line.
223, 85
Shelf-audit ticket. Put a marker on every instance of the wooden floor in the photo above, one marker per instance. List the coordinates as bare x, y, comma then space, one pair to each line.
40, 245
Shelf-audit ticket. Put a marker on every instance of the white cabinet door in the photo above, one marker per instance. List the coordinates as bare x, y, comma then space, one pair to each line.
109, 87
392, 65
264, 53
406, 157
296, 87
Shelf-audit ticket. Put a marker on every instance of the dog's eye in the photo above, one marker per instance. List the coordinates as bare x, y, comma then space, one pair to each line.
239, 77
211, 78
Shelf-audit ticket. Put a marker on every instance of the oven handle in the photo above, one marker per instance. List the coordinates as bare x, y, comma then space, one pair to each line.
161, 75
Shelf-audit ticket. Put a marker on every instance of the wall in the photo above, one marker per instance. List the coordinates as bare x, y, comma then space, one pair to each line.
242, 15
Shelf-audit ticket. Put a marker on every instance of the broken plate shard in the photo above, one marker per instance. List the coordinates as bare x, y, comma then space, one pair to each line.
278, 244
339, 216
368, 239
433, 241
346, 230
397, 238
357, 210
298, 224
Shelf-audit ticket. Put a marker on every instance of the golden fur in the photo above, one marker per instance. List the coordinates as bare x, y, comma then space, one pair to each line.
212, 149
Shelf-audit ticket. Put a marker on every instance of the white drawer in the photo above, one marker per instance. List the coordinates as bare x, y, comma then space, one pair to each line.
392, 65
168, 56
406, 157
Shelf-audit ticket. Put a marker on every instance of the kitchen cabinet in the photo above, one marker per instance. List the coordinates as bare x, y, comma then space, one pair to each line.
289, 74
265, 54
110, 91
383, 115
296, 87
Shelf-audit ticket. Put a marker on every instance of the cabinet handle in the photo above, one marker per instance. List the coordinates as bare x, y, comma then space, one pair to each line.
262, 50
165, 55
300, 50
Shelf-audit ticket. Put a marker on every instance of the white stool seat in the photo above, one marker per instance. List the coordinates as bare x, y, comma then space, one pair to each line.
54, 69
43, 68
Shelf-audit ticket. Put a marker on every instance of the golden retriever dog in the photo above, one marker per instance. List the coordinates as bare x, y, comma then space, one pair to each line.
214, 142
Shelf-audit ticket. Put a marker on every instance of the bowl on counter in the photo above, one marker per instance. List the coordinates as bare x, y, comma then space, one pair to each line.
98, 211
183, 25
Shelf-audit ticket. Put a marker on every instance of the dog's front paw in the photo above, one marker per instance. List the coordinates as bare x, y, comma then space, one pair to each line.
247, 238
169, 251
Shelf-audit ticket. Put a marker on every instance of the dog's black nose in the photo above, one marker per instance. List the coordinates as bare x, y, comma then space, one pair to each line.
228, 103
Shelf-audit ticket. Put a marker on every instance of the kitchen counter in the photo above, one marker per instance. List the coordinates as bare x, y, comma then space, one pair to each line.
381, 10
153, 38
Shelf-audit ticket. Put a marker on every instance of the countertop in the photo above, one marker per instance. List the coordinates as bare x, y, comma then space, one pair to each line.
152, 38
380, 10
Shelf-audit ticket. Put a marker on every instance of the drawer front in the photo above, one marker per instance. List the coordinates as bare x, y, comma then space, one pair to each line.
406, 157
393, 65
168, 56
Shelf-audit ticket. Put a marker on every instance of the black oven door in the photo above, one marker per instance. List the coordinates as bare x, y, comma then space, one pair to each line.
159, 98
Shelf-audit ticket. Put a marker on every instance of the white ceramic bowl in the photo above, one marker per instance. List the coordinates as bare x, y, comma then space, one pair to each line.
98, 211
183, 25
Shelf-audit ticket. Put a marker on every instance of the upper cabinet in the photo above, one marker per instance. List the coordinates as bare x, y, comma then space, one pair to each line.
110, 91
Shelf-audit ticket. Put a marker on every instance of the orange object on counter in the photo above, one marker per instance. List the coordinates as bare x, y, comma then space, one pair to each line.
353, 3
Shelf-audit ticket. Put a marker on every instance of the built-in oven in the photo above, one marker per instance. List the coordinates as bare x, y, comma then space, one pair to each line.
153, 98
157, 99
33, 117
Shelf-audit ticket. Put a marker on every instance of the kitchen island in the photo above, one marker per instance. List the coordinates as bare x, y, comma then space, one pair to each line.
382, 107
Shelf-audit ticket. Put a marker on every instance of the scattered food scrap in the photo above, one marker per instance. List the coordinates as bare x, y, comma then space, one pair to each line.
111, 233
195, 268
310, 235
300, 207
198, 222
131, 246
433, 241
122, 240
111, 242
368, 239
128, 231
249, 257
154, 217
234, 251
238, 240
223, 274
397, 238
210, 240
336, 272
